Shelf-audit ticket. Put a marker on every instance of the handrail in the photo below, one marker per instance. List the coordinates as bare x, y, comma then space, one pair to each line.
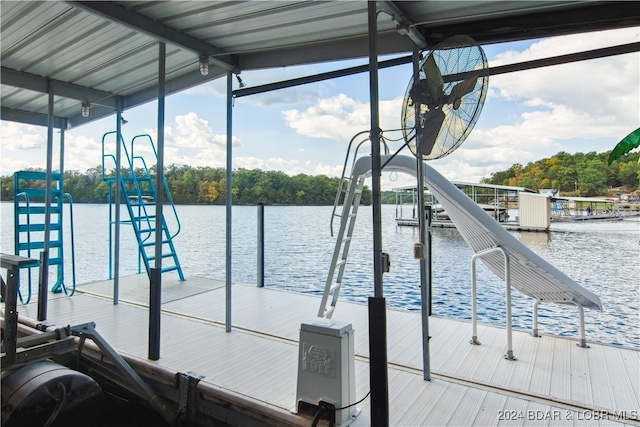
164, 179
344, 170
73, 251
341, 184
126, 153
17, 240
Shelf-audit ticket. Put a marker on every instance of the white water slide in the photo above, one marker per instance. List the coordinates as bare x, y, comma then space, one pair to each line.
500, 251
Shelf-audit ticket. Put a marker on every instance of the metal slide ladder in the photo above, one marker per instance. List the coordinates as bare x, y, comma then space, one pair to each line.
139, 193
29, 226
350, 193
348, 196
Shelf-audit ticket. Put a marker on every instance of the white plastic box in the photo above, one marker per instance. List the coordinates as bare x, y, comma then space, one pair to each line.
326, 366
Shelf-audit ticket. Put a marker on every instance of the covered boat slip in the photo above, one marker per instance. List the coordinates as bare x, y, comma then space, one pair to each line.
553, 381
103, 58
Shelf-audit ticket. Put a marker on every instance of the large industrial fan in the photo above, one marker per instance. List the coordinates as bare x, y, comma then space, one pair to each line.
443, 103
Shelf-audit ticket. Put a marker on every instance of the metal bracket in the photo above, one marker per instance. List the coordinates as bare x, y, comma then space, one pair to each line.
42, 326
188, 383
143, 390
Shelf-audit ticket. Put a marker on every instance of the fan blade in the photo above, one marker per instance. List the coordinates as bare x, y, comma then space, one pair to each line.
427, 136
461, 89
434, 79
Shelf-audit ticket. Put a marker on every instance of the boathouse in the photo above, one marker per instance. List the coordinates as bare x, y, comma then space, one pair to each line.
201, 352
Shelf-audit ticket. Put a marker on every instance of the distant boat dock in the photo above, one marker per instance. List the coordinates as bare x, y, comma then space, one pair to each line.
532, 210
515, 208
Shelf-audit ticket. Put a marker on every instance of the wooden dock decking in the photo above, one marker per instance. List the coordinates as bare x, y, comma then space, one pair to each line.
553, 382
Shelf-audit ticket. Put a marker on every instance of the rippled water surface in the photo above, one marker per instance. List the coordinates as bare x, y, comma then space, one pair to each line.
602, 256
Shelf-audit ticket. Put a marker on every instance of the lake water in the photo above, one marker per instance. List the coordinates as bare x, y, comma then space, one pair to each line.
602, 256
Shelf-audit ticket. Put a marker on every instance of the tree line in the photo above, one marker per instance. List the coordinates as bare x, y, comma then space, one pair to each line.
578, 174
584, 175
206, 185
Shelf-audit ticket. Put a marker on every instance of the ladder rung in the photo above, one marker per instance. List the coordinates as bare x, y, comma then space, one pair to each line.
346, 239
38, 245
329, 311
153, 243
37, 227
172, 268
334, 287
144, 218
167, 255
37, 210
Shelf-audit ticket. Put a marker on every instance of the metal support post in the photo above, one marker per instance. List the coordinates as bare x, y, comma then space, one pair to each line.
378, 376
155, 300
155, 285
534, 327
260, 269
474, 304
43, 278
228, 203
116, 250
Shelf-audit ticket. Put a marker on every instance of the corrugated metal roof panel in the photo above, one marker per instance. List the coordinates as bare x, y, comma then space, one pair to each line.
112, 46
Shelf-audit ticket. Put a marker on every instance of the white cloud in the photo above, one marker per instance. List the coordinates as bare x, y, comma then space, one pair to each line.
24, 146
340, 118
18, 136
328, 170
81, 152
189, 140
249, 163
601, 90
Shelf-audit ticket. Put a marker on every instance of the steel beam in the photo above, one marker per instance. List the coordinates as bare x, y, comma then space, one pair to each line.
66, 90
405, 25
30, 118
238, 93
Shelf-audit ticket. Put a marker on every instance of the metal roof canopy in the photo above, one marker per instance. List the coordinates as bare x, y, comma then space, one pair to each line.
95, 51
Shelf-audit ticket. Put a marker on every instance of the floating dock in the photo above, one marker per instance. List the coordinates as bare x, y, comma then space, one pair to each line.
248, 376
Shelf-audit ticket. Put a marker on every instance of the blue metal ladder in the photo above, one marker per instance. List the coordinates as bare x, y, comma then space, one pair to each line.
139, 193
29, 222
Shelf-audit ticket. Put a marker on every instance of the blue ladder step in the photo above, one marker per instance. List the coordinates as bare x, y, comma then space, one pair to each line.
172, 268
22, 228
39, 192
164, 242
167, 255
37, 210
144, 218
24, 246
38, 176
146, 230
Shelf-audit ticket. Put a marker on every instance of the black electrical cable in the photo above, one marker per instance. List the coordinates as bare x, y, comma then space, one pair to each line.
354, 404
324, 407
394, 155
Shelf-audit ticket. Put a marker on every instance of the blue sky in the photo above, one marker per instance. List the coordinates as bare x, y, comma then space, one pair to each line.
579, 107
